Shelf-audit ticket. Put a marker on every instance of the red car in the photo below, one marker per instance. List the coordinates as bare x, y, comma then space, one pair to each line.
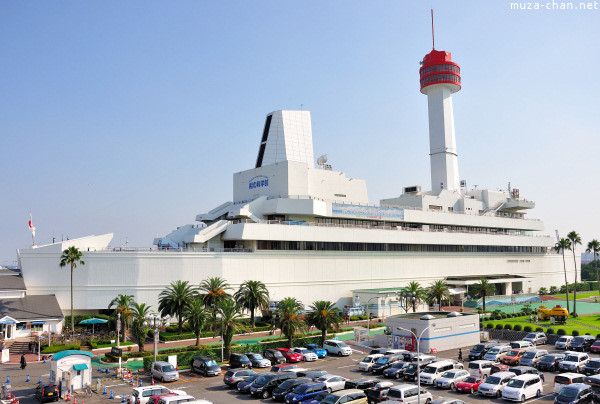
499, 367
282, 367
595, 347
289, 355
469, 385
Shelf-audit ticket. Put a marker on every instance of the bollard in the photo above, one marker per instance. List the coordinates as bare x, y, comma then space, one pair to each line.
115, 370
7, 379
40, 380
107, 370
104, 390
112, 395
152, 379
27, 379
99, 368
44, 359
140, 383
123, 399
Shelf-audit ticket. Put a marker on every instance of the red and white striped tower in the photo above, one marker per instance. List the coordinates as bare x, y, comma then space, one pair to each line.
440, 78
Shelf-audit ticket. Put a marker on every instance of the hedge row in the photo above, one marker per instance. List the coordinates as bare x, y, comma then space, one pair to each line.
58, 348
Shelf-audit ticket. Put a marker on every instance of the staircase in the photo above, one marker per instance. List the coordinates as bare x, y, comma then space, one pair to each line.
18, 347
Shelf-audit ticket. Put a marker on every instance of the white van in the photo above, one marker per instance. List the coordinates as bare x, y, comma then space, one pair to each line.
564, 379
141, 395
337, 347
175, 399
480, 368
407, 394
433, 371
497, 353
495, 383
520, 388
368, 361
574, 361
563, 342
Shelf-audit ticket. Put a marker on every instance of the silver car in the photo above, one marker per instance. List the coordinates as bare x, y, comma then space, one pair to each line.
164, 371
258, 361
333, 382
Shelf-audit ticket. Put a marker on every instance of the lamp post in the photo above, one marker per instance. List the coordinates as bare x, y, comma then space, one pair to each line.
155, 322
214, 307
418, 359
119, 336
408, 299
357, 300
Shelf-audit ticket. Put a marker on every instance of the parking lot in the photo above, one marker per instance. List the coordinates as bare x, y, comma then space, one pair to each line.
215, 390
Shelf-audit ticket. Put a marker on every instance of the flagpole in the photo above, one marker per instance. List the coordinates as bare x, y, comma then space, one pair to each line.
32, 228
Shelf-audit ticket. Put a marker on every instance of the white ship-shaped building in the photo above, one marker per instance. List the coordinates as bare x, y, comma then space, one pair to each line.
308, 231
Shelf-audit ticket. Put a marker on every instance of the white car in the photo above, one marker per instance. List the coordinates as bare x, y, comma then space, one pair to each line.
368, 361
141, 395
563, 342
522, 387
449, 379
574, 362
333, 382
335, 347
307, 355
494, 384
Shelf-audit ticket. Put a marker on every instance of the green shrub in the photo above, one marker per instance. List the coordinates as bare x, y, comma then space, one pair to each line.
550, 331
587, 333
517, 327
527, 328
354, 318
539, 329
58, 348
498, 326
508, 327
561, 331
489, 325
503, 315
575, 333
597, 336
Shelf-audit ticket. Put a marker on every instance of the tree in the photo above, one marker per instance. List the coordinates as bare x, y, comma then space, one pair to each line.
543, 291
252, 295
196, 316
139, 324
483, 289
287, 318
553, 290
594, 246
323, 316
174, 300
72, 256
416, 291
560, 247
229, 322
575, 239
213, 292
122, 304
439, 291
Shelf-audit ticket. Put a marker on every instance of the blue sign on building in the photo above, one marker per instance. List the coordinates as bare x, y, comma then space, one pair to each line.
258, 182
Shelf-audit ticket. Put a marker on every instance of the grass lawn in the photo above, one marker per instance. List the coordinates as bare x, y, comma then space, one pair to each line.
593, 320
580, 295
111, 345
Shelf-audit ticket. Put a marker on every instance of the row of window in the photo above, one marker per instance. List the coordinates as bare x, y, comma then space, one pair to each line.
339, 246
438, 78
440, 68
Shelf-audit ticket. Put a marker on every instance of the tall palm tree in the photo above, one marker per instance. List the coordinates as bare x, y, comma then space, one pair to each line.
252, 295
72, 256
122, 304
229, 321
594, 246
483, 289
438, 290
287, 318
560, 247
213, 292
196, 316
416, 291
174, 299
575, 239
139, 325
323, 316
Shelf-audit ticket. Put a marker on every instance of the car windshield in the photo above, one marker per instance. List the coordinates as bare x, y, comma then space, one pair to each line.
571, 358
330, 399
478, 348
261, 381
529, 355
257, 356
449, 375
593, 364
413, 366
515, 383
277, 354
399, 365
531, 335
471, 380
428, 369
243, 358
494, 351
383, 360
548, 358
597, 343
168, 368
342, 344
493, 380
562, 339
251, 378
473, 365
213, 363
300, 389
285, 385
512, 353
393, 393
568, 392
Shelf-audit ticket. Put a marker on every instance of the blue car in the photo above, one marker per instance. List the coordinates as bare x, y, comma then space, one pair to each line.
317, 399
305, 392
321, 352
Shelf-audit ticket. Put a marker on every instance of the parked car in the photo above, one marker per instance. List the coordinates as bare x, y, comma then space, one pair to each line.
368, 361
494, 384
378, 393
375, 351
447, 400
334, 347
321, 352
318, 398
479, 350
312, 374
176, 399
532, 357
244, 386
513, 356
520, 388
520, 344
407, 394
469, 385
307, 355
551, 362
575, 394
424, 359
595, 347
574, 362
410, 372
258, 361
592, 367
305, 391
283, 367
164, 371
582, 343
333, 382
287, 386
449, 379
566, 379
346, 396
233, 376
525, 370
496, 353
289, 355
141, 395
385, 362
435, 370
46, 392
594, 381
499, 367
265, 384
154, 399
481, 368
536, 338
274, 356
396, 370
206, 366
563, 342
360, 384
238, 360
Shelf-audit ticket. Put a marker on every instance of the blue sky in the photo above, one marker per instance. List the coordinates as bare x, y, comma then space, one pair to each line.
131, 117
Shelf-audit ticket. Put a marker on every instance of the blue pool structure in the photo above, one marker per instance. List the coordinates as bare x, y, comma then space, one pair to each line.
507, 301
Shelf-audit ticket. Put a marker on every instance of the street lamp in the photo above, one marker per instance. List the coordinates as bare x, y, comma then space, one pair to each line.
213, 306
418, 359
155, 322
119, 336
357, 301
407, 299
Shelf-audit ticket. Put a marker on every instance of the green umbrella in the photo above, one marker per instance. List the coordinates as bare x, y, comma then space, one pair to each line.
93, 321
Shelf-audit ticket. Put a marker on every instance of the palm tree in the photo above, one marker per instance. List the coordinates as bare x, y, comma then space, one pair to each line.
594, 246
560, 247
196, 317
252, 295
174, 300
72, 256
439, 291
415, 290
139, 325
575, 239
229, 322
122, 304
213, 292
323, 316
483, 289
287, 318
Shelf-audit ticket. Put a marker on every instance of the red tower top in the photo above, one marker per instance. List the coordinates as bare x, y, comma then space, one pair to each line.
438, 68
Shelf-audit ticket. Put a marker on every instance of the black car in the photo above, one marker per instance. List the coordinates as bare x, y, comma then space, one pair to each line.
551, 362
287, 386
576, 393
523, 370
244, 386
592, 367
385, 362
361, 384
582, 343
46, 392
479, 350
264, 385
274, 356
410, 372
377, 394
205, 365
312, 374
234, 376
237, 360
396, 370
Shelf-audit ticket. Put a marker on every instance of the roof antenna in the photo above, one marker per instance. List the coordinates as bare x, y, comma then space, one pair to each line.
432, 33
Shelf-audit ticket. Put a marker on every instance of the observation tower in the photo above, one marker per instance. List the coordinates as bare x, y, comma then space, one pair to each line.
440, 78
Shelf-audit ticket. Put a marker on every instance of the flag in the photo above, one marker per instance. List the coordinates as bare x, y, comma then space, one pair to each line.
31, 226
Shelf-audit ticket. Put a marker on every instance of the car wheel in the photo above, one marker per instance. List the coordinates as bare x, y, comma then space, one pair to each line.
427, 401
452, 387
398, 375
499, 394
472, 390
523, 398
538, 394
265, 394
329, 390
340, 353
